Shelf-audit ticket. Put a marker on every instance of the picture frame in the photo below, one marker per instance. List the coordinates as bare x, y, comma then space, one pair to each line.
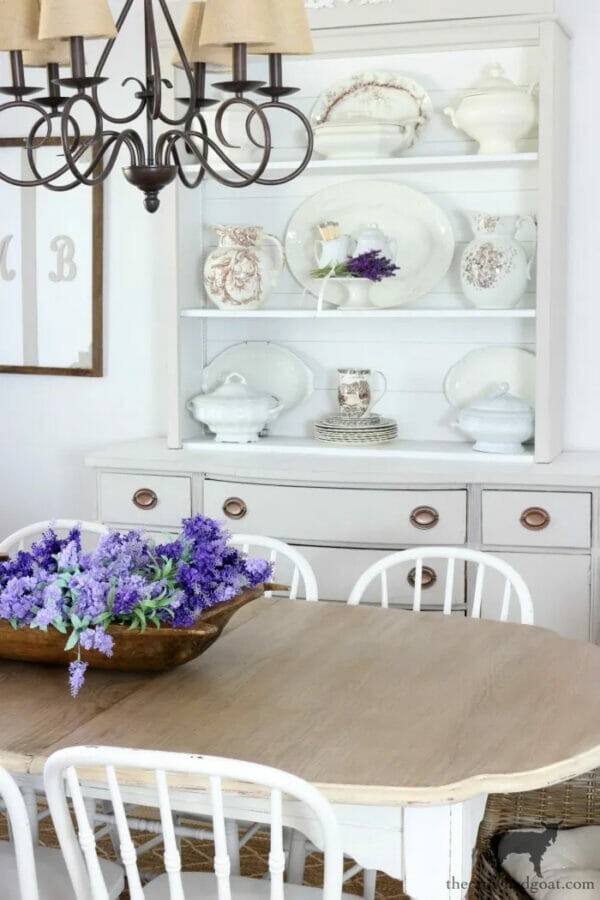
52, 264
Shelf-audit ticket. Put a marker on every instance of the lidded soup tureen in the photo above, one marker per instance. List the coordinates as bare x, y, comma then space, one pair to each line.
234, 412
498, 422
496, 112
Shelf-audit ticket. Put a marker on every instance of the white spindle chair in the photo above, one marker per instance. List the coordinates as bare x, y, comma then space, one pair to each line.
61, 780
513, 582
25, 537
40, 874
303, 574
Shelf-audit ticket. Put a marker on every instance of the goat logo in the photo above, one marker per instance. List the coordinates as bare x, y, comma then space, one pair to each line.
532, 842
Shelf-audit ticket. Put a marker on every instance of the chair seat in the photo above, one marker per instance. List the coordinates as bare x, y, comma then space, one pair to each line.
53, 880
204, 884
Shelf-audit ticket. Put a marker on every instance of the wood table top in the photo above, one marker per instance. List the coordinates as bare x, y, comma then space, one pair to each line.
372, 705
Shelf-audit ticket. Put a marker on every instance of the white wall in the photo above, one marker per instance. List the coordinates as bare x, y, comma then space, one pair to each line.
48, 423
583, 328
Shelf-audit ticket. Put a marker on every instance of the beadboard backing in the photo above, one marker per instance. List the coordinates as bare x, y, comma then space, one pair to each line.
414, 356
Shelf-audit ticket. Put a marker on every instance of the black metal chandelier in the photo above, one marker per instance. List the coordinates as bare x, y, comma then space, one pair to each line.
52, 33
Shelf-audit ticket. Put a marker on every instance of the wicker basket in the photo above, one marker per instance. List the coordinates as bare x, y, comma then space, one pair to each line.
574, 803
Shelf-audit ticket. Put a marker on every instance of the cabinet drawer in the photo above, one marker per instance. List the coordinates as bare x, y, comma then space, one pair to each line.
337, 570
560, 590
144, 499
340, 515
537, 518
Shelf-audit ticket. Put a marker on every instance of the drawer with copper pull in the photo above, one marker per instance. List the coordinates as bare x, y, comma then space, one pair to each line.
340, 515
537, 519
162, 500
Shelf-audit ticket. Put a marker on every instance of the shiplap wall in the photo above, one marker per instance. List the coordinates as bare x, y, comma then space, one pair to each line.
414, 355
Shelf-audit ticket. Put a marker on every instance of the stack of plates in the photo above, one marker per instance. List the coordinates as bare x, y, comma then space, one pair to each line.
369, 430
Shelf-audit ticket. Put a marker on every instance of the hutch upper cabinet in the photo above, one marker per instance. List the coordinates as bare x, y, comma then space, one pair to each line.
413, 345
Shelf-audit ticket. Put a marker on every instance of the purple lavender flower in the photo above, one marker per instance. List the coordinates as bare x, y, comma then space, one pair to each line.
97, 639
371, 265
126, 580
77, 672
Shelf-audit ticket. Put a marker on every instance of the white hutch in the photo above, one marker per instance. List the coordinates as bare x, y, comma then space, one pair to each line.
346, 507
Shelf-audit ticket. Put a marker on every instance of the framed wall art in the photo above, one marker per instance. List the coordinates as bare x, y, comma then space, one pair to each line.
51, 245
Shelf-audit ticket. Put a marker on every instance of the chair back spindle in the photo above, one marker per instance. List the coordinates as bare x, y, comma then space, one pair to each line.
62, 779
513, 583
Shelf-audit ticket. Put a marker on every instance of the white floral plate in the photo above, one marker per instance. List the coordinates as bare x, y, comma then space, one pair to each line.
268, 368
480, 371
374, 97
422, 233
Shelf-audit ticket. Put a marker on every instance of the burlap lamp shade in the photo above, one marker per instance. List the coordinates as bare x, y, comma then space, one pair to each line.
292, 31
228, 22
190, 39
19, 20
46, 53
76, 18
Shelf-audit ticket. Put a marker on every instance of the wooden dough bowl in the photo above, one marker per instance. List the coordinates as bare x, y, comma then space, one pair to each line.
154, 650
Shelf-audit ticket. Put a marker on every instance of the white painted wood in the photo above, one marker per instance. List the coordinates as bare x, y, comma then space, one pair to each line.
313, 515
116, 499
560, 589
552, 247
117, 764
319, 166
298, 573
483, 562
210, 313
20, 832
570, 519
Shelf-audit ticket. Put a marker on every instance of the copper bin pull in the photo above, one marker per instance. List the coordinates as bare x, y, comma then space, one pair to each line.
145, 499
235, 508
424, 517
535, 518
428, 578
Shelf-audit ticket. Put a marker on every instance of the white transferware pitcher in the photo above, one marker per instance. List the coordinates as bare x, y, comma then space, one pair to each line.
495, 268
245, 267
371, 239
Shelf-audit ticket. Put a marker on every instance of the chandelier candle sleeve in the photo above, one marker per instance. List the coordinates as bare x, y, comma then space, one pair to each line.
76, 18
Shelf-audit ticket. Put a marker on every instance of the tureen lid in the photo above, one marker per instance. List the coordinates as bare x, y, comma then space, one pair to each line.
236, 388
492, 79
500, 400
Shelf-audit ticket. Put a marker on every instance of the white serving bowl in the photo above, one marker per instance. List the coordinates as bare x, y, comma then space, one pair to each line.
364, 140
234, 412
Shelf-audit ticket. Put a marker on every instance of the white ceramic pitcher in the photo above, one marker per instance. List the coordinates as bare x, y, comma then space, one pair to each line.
244, 268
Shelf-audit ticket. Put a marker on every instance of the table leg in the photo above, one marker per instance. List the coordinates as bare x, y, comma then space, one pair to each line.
438, 847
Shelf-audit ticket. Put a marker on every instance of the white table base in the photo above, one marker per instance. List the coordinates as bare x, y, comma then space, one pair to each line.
428, 848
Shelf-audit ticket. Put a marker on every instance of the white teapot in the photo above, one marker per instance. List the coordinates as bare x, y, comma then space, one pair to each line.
234, 412
496, 112
372, 238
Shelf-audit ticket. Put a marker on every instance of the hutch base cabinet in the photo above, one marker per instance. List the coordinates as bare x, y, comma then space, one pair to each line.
344, 511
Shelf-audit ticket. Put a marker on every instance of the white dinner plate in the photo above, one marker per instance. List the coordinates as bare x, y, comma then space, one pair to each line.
268, 368
422, 233
481, 371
